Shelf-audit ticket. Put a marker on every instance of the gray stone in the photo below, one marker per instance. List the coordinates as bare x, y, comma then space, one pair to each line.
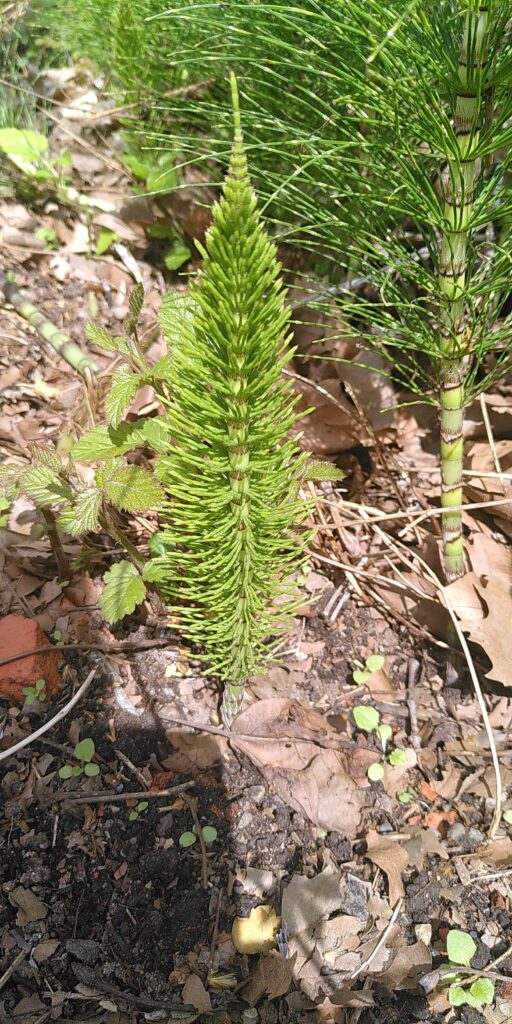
354, 900
456, 832
244, 821
166, 825
475, 838
256, 794
85, 950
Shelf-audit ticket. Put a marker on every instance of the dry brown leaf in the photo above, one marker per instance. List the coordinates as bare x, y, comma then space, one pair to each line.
194, 994
424, 842
271, 977
491, 630
309, 900
390, 858
406, 964
489, 558
29, 906
324, 784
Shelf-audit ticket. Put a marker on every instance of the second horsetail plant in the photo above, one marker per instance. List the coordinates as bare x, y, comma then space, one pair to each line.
381, 139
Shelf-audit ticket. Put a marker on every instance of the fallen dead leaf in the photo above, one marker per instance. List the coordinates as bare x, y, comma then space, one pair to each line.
326, 785
271, 977
309, 900
195, 994
392, 859
424, 842
490, 630
29, 906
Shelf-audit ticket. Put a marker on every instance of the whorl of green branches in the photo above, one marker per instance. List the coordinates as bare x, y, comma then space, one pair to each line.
233, 533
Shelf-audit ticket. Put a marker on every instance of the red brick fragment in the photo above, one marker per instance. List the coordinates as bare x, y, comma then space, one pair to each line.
17, 635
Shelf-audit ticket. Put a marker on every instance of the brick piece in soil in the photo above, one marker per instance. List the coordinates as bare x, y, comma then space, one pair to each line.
17, 635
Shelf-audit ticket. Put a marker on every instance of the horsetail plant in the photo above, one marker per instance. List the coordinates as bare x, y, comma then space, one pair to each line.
380, 139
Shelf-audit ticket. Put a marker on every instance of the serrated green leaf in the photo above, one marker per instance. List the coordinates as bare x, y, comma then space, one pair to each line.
123, 386
375, 662
398, 758
366, 718
104, 442
177, 311
44, 487
322, 471
483, 991
82, 516
460, 947
124, 589
132, 489
177, 254
45, 455
157, 432
375, 772
136, 300
84, 750
101, 337
25, 143
187, 839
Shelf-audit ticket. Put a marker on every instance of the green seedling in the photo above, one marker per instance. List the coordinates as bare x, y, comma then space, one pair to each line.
374, 663
49, 236
507, 817
209, 834
405, 796
29, 151
138, 810
461, 950
5, 505
368, 719
34, 693
84, 753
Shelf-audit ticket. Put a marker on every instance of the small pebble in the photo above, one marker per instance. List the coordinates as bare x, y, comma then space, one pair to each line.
475, 838
456, 832
85, 950
165, 825
244, 821
256, 795
354, 900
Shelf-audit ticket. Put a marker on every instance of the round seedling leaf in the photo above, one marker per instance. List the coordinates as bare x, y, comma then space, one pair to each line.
483, 991
66, 771
209, 834
398, 758
404, 797
366, 718
84, 751
30, 698
40, 685
375, 662
133, 815
375, 772
360, 676
507, 817
91, 769
187, 839
142, 806
460, 947
457, 995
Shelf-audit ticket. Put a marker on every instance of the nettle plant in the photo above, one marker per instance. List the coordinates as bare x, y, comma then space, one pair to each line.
478, 993
227, 475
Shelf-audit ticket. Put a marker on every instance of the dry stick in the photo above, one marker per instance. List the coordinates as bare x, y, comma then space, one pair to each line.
382, 517
442, 591
107, 648
245, 736
113, 798
381, 942
197, 823
12, 967
4, 754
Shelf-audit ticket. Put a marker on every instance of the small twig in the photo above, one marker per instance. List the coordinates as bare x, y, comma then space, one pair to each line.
192, 808
474, 975
133, 767
127, 645
413, 673
382, 941
213, 944
234, 736
12, 967
4, 754
113, 798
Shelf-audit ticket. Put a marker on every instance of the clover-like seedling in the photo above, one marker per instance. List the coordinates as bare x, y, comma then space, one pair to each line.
84, 753
373, 663
138, 810
368, 719
209, 834
34, 693
461, 950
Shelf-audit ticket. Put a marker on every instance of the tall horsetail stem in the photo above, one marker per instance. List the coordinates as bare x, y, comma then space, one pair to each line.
461, 176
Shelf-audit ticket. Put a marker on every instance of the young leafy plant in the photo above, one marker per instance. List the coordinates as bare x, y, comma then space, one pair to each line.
84, 753
28, 150
373, 663
367, 719
461, 950
34, 693
209, 834
135, 814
